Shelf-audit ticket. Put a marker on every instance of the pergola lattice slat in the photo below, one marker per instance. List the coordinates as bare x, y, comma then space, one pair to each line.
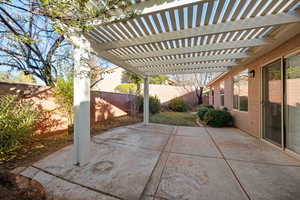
187, 71
210, 47
190, 65
250, 23
193, 59
176, 31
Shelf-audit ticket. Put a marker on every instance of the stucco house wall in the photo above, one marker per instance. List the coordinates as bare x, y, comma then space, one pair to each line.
250, 121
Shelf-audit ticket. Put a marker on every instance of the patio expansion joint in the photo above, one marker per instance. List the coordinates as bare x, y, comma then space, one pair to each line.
194, 155
263, 163
75, 183
165, 164
173, 132
227, 163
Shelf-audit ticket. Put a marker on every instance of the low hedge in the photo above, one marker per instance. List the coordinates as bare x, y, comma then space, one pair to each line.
178, 105
201, 112
202, 109
205, 106
218, 118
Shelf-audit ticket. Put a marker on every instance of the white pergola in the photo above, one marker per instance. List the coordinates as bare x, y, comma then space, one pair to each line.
177, 37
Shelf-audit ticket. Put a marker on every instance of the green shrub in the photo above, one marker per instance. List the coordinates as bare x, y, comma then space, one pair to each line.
201, 112
225, 109
17, 118
178, 105
205, 106
154, 104
202, 109
218, 118
127, 88
63, 96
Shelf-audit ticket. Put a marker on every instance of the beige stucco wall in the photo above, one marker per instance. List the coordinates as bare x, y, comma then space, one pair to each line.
250, 121
166, 93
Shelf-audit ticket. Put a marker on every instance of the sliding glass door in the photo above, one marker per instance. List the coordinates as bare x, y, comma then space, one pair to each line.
272, 103
281, 103
292, 103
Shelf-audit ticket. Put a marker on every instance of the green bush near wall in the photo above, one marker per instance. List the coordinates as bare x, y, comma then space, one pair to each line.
208, 106
154, 104
178, 105
201, 112
17, 118
202, 109
218, 118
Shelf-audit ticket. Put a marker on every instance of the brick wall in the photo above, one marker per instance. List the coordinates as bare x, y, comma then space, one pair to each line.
250, 121
104, 105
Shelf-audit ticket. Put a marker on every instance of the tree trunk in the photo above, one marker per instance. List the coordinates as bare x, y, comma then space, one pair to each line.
199, 93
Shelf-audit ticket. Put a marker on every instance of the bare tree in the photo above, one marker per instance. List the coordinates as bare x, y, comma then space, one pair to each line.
195, 82
199, 84
99, 68
28, 42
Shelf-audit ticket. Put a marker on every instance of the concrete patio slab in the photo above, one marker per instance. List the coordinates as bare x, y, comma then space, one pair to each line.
191, 131
194, 178
159, 128
113, 168
154, 181
202, 146
140, 138
227, 133
268, 182
237, 145
133, 162
60, 189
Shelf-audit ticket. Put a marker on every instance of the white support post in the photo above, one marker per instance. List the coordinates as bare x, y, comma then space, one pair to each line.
81, 147
146, 100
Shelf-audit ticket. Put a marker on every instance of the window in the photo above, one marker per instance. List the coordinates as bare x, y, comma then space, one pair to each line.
240, 91
222, 93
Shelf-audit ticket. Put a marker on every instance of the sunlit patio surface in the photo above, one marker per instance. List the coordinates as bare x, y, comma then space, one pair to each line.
167, 162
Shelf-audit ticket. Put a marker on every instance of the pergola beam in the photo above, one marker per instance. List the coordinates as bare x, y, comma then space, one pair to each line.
209, 47
186, 71
190, 59
111, 58
244, 24
211, 65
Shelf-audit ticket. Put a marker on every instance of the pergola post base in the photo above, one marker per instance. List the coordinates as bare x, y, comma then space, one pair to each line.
81, 147
146, 100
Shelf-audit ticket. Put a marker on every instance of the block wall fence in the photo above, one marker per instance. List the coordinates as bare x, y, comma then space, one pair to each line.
104, 105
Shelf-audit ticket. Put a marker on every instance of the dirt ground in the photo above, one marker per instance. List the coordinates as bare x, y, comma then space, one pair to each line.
40, 146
